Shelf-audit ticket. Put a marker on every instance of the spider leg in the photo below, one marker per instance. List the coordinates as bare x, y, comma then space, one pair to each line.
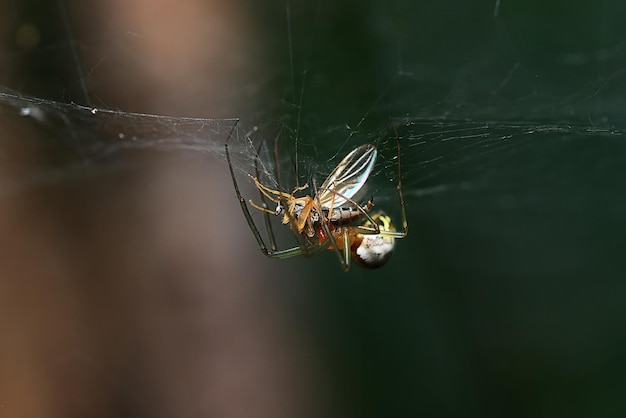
266, 211
405, 224
405, 227
346, 250
242, 201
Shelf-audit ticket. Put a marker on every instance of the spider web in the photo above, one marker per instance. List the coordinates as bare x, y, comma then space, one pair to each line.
509, 115
93, 136
451, 124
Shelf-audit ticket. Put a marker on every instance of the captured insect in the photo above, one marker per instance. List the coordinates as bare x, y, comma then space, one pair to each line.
344, 182
331, 219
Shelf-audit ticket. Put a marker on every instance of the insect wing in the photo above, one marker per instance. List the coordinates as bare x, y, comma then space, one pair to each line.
348, 177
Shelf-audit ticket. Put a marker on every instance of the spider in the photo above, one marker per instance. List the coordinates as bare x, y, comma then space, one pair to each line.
323, 222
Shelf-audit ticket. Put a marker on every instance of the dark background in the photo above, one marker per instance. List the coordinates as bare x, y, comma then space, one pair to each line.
131, 286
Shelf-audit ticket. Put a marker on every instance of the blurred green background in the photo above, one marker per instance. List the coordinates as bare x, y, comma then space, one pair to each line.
506, 298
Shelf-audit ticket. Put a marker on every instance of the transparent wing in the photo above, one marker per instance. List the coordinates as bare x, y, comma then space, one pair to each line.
348, 177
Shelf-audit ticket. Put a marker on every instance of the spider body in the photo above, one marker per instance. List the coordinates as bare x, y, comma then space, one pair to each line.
368, 250
330, 219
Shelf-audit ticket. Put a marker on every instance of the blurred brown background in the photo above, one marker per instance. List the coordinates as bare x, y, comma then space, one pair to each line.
136, 292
